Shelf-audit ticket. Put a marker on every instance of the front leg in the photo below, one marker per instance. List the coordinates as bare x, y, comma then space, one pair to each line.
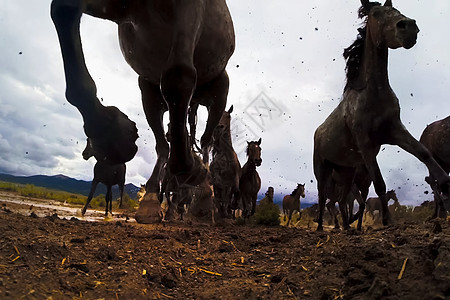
113, 135
91, 194
214, 94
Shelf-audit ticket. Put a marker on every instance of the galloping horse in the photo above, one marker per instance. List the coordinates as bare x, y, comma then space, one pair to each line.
225, 167
374, 203
250, 182
369, 114
180, 50
107, 173
291, 202
436, 137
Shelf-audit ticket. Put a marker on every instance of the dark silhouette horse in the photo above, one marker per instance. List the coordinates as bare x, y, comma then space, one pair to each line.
250, 182
358, 192
180, 50
225, 168
369, 114
268, 196
374, 203
291, 202
436, 137
106, 173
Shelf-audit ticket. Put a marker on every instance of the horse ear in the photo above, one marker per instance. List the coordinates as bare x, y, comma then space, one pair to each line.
259, 142
230, 110
388, 3
365, 3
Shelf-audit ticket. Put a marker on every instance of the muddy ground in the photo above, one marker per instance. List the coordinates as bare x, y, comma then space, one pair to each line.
55, 257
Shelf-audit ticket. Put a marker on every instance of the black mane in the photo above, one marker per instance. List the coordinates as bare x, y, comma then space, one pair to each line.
353, 53
295, 191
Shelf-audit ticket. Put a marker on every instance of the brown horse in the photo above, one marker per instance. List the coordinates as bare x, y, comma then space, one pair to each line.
250, 182
180, 50
291, 202
225, 167
107, 173
436, 137
374, 203
369, 114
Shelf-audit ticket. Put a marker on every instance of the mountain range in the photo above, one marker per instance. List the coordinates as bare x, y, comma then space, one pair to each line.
68, 184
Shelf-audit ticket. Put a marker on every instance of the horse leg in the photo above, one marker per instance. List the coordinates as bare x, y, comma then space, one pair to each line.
108, 200
331, 207
377, 178
192, 120
178, 83
289, 218
323, 175
89, 198
214, 94
149, 210
112, 134
407, 142
121, 186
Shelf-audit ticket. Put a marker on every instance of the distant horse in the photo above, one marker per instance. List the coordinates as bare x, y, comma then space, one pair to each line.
225, 167
369, 114
106, 173
250, 182
180, 50
291, 202
268, 196
436, 137
374, 203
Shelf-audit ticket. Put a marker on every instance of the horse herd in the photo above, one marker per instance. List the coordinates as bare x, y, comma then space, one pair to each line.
180, 50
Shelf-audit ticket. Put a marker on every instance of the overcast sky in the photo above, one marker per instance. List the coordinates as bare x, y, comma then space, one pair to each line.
288, 57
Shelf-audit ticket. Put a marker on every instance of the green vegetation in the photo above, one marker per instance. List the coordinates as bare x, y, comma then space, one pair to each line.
267, 214
32, 191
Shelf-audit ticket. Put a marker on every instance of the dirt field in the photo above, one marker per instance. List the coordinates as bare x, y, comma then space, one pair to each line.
58, 258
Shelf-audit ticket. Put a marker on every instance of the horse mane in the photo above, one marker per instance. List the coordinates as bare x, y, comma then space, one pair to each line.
294, 191
353, 53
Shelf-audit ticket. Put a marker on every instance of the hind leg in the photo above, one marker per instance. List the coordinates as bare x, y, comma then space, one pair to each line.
214, 96
112, 134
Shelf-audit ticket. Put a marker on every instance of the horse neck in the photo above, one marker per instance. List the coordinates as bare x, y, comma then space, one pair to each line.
297, 195
374, 67
249, 167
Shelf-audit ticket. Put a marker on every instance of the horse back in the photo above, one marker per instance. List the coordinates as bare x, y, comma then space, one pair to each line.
435, 138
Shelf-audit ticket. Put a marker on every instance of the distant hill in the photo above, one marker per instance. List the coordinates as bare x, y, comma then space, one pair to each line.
278, 199
68, 184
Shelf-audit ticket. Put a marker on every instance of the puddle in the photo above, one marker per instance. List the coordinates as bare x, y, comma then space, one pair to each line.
42, 208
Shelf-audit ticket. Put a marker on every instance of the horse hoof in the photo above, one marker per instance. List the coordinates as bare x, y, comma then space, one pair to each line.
149, 210
112, 134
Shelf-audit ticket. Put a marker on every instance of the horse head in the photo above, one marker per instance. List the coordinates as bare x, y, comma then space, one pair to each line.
254, 152
301, 188
88, 152
386, 26
391, 195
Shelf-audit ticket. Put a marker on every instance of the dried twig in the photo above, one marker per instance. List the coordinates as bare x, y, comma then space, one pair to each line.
400, 275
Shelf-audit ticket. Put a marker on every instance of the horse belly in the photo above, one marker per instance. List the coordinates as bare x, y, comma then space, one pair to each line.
334, 143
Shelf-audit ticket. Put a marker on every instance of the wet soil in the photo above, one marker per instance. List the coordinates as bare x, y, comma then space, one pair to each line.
54, 257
